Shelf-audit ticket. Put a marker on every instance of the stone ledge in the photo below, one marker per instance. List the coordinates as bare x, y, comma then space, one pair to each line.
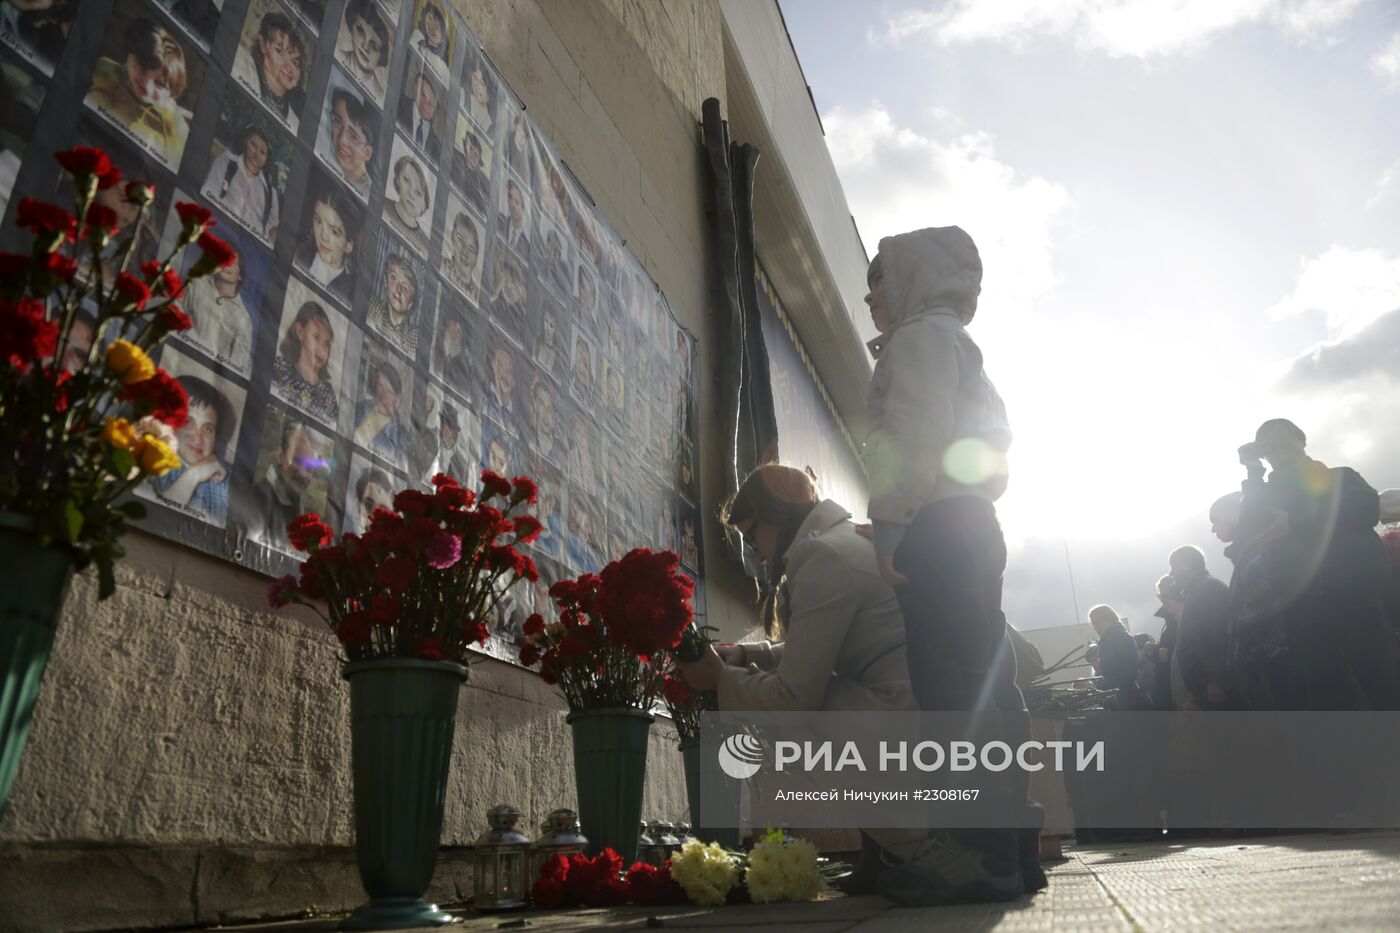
52, 887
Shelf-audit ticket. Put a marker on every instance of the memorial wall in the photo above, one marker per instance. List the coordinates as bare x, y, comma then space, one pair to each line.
423, 284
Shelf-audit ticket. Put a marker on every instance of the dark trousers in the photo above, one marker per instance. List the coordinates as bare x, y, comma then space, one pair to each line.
954, 556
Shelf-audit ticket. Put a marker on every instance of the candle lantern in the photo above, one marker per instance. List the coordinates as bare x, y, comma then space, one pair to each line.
559, 835
648, 849
682, 834
498, 857
664, 832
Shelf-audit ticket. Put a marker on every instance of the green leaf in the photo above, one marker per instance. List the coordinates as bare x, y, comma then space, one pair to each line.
133, 510
121, 463
72, 521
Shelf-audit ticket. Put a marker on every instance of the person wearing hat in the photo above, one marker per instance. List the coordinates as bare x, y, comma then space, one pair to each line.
935, 455
1319, 527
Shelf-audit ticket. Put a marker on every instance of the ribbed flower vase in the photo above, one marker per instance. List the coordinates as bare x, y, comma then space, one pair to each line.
402, 716
698, 774
30, 600
610, 770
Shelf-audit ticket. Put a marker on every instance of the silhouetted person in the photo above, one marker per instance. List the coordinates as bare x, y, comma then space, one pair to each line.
1118, 658
1204, 630
1319, 531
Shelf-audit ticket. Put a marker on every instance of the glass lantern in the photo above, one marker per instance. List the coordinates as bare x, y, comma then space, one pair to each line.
682, 834
664, 832
559, 835
498, 858
648, 849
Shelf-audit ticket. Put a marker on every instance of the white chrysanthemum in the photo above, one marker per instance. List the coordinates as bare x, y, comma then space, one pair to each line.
705, 872
779, 871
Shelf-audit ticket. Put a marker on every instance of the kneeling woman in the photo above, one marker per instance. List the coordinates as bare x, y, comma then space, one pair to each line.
841, 631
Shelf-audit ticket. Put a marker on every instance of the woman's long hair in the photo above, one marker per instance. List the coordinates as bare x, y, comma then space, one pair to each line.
781, 496
290, 348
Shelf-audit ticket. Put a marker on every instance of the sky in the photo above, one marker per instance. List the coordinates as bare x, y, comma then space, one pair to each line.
1189, 219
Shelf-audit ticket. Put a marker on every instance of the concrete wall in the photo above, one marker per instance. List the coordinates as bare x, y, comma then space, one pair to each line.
189, 760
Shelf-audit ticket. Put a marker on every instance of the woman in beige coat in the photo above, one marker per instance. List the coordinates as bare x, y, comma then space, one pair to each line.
841, 631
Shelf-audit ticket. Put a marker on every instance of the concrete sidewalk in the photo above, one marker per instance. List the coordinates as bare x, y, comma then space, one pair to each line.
1306, 882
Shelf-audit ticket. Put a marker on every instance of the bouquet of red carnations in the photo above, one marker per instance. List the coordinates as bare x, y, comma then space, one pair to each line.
608, 648
82, 425
421, 582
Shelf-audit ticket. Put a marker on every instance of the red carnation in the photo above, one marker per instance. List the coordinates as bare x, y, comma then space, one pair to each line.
87, 160
194, 215
100, 218
354, 629
533, 625
25, 334
396, 573
572, 646
494, 484
160, 396
527, 529
476, 630
133, 289
678, 693
429, 648
216, 250
40, 217
171, 318
526, 490
653, 886
440, 480
412, 503
139, 193
307, 532
167, 281
454, 496
529, 654
60, 266
644, 603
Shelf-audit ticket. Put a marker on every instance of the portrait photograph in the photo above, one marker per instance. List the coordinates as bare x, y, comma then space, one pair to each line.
614, 326
199, 486
516, 211
331, 239
517, 148
408, 196
371, 486
249, 162
543, 420
550, 507
383, 393
688, 534
422, 109
23, 93
274, 60
471, 164
291, 476
549, 348
453, 359
311, 341
146, 81
363, 47
507, 304
499, 450
614, 389
586, 294
463, 251
444, 438
348, 134
584, 529
685, 472
503, 378
583, 369
224, 308
480, 92
37, 31
554, 260
400, 303
582, 462
433, 36
198, 18
552, 190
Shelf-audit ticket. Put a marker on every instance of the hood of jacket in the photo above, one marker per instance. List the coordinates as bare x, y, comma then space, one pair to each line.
937, 267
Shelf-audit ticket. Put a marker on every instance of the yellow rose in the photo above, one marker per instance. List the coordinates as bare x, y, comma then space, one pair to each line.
117, 432
129, 362
155, 458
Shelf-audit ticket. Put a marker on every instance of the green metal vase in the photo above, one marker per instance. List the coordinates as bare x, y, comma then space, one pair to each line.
30, 601
697, 774
402, 716
610, 769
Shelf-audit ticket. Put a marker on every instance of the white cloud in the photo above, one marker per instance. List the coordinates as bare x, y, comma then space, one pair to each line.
897, 179
1350, 287
1386, 62
1120, 28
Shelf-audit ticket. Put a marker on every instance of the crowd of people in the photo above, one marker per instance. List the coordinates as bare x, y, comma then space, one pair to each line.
1310, 616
